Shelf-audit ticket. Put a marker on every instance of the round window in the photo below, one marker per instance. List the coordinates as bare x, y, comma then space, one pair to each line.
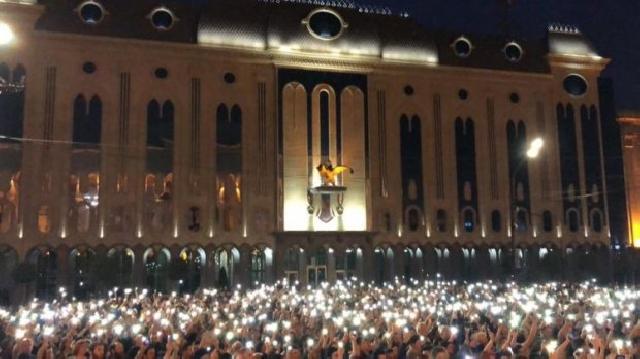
91, 12
408, 90
462, 47
162, 18
463, 94
513, 52
575, 85
514, 97
229, 78
325, 24
89, 67
161, 73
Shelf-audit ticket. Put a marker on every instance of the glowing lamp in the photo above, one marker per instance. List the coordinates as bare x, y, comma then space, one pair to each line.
6, 34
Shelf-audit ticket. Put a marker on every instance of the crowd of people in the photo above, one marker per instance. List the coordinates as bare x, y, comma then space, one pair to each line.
344, 320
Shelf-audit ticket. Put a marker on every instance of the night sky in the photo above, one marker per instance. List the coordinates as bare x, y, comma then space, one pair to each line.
612, 25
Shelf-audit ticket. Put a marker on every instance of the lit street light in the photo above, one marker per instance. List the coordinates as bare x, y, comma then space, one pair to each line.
532, 152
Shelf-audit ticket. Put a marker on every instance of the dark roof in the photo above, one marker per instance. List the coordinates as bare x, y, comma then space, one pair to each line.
124, 19
266, 25
488, 53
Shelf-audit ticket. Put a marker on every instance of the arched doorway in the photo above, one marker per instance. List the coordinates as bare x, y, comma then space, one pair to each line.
292, 261
8, 263
317, 267
81, 261
156, 264
45, 261
383, 264
349, 263
226, 260
187, 269
121, 261
258, 266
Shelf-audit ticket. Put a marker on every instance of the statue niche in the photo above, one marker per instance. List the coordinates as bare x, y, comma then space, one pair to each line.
329, 176
158, 201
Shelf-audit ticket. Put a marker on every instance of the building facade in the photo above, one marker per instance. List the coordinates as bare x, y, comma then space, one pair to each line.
180, 144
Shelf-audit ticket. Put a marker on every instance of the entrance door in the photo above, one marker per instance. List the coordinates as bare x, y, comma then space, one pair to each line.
292, 276
316, 275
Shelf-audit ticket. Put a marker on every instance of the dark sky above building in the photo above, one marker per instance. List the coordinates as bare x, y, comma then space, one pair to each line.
612, 25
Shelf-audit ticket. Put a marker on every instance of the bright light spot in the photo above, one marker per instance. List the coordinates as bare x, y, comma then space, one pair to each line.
534, 147
6, 34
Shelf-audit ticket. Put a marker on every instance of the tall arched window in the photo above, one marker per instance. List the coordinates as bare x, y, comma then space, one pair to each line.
160, 137
229, 166
547, 221
466, 172
441, 221
522, 223
411, 167
414, 219
596, 220
496, 221
468, 220
12, 103
573, 219
87, 121
570, 171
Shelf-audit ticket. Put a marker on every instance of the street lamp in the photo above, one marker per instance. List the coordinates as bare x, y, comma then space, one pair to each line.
532, 153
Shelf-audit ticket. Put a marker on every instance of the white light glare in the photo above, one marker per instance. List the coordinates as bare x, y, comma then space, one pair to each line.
6, 34
534, 147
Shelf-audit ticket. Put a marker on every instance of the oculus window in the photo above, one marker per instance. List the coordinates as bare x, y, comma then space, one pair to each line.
91, 12
162, 18
462, 47
575, 85
513, 52
324, 24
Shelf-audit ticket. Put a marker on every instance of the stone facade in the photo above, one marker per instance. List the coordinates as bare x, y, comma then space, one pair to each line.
226, 177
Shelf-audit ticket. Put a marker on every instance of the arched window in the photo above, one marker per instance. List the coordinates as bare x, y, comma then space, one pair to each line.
87, 122
156, 264
547, 221
258, 263
496, 221
414, 219
387, 222
12, 103
522, 223
229, 128
44, 223
160, 136
573, 220
229, 166
468, 220
596, 220
441, 221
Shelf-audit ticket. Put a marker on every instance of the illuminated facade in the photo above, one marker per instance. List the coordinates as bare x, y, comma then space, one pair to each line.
630, 128
163, 134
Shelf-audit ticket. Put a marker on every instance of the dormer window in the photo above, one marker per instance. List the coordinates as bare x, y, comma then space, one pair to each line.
462, 47
162, 18
513, 52
91, 12
325, 24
